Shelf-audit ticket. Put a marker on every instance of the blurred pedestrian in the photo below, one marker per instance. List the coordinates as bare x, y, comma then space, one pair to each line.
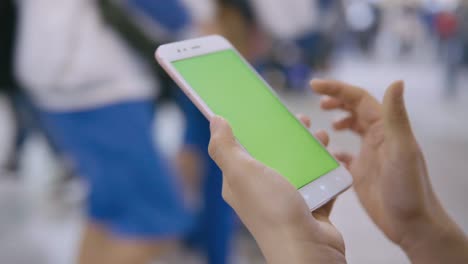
8, 85
136, 21
95, 99
215, 227
449, 34
461, 43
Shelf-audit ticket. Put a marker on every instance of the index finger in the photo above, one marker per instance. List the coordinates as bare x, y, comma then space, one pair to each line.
347, 93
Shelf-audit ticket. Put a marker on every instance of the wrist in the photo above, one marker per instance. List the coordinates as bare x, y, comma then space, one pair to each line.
435, 240
291, 246
276, 246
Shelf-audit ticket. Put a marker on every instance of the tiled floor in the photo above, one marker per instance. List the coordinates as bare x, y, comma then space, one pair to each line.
35, 228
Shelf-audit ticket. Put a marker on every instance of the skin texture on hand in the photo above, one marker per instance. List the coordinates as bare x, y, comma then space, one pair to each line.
271, 208
390, 174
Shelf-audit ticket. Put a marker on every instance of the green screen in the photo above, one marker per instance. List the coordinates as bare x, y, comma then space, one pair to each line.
261, 123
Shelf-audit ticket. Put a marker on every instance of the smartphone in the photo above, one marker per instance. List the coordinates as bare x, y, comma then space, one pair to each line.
219, 81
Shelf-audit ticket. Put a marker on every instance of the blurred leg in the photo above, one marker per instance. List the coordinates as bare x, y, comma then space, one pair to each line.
217, 216
99, 246
233, 26
8, 134
453, 50
133, 193
91, 245
215, 226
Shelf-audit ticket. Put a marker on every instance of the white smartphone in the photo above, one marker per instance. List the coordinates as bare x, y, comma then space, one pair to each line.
219, 81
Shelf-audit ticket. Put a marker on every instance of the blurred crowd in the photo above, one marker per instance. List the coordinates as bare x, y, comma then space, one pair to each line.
82, 74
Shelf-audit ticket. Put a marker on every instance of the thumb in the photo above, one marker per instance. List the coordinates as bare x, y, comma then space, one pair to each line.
223, 148
323, 213
395, 117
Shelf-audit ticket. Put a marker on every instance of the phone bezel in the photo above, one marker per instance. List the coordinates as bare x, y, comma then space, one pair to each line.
315, 193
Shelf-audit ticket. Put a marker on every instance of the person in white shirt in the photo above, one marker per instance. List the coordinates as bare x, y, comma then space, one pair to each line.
95, 98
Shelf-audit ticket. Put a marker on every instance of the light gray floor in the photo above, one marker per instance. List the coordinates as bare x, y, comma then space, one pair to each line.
37, 227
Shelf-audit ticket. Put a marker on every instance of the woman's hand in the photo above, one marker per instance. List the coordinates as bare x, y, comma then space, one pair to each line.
390, 174
271, 208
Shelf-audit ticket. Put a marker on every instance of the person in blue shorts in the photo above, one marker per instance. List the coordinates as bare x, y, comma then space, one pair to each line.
95, 99
213, 228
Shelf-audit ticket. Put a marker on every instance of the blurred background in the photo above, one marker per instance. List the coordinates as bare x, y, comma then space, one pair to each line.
55, 58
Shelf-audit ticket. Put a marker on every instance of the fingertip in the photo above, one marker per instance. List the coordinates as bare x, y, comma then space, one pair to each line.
317, 84
393, 99
400, 83
323, 137
344, 158
221, 132
323, 102
324, 99
344, 123
398, 88
305, 120
222, 142
394, 93
214, 122
337, 125
339, 155
316, 81
217, 122
396, 118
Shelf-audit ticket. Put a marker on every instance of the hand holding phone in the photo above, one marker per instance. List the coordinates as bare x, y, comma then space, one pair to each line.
220, 82
271, 208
